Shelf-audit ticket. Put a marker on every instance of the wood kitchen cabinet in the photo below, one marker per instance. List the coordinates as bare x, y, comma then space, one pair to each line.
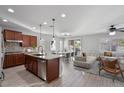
34, 66
29, 41
12, 35
18, 36
33, 41
31, 64
9, 61
19, 59
27, 60
26, 40
13, 60
52, 68
9, 35
46, 69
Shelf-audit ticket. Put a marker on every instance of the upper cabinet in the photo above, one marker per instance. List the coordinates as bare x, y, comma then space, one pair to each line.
12, 35
29, 41
18, 36
33, 41
9, 35
26, 40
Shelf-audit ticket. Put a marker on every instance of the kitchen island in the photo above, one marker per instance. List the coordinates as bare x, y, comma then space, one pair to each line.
45, 66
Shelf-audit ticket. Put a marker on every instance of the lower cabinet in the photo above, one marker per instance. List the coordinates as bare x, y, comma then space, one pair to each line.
31, 64
19, 59
52, 69
13, 60
35, 66
9, 61
48, 70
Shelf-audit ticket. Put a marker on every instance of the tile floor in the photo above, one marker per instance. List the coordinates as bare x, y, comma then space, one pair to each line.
19, 77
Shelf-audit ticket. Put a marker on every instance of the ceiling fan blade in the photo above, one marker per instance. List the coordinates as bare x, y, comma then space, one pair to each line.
121, 28
114, 28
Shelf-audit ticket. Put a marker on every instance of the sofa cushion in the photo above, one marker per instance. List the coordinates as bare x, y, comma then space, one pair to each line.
91, 59
83, 64
108, 58
83, 59
87, 64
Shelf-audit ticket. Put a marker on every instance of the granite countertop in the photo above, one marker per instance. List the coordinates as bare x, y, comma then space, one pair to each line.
48, 56
10, 53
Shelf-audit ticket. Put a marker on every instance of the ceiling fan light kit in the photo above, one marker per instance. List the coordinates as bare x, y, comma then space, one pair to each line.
112, 33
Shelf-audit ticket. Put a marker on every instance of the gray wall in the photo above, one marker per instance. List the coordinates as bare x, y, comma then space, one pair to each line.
91, 43
0, 47
0, 40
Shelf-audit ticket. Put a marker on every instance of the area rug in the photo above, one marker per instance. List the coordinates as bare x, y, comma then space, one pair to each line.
95, 70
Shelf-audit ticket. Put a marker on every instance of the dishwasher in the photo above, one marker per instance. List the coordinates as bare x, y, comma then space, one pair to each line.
42, 69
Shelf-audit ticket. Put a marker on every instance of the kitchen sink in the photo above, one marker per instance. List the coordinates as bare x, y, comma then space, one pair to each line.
38, 54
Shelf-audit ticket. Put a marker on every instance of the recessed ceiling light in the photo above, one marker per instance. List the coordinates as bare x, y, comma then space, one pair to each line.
5, 20
33, 28
63, 15
10, 10
66, 34
45, 23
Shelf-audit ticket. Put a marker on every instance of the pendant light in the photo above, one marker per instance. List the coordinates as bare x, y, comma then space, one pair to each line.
41, 39
53, 39
40, 31
53, 28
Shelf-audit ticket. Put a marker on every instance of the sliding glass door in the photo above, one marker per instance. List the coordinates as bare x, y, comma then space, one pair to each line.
75, 46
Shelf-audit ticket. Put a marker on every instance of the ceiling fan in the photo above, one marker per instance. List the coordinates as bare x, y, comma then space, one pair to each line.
113, 29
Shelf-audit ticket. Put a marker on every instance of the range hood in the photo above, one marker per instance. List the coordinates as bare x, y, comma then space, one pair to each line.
16, 41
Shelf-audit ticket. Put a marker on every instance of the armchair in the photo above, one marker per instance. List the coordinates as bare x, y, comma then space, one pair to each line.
110, 66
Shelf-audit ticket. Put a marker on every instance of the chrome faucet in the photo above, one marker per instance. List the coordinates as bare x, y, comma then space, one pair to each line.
39, 49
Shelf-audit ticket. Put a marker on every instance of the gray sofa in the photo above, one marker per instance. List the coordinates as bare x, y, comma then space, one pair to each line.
84, 62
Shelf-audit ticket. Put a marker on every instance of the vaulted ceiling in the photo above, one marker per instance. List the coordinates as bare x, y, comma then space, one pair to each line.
80, 19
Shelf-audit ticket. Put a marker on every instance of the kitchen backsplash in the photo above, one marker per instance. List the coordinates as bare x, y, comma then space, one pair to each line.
13, 47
